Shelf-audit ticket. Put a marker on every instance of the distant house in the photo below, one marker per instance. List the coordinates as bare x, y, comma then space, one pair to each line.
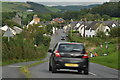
106, 26
81, 27
58, 20
70, 26
17, 29
91, 27
17, 19
35, 20
90, 30
6, 27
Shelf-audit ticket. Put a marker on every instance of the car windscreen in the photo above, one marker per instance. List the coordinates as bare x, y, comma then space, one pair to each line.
70, 47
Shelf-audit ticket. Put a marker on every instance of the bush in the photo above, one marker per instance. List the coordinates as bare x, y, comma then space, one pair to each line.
115, 32
21, 47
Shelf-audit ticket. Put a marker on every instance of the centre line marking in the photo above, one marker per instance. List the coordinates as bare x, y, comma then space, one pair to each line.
14, 66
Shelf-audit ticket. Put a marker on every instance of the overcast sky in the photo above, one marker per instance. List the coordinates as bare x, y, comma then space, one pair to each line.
59, 0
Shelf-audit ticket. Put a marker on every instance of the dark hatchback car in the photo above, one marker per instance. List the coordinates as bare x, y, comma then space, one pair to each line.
63, 37
68, 55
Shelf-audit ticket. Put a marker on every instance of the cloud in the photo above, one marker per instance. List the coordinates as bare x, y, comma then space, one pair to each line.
61, 0
69, 0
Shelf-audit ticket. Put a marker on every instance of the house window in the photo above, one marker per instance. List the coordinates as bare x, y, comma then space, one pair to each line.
107, 30
90, 30
86, 35
93, 35
89, 35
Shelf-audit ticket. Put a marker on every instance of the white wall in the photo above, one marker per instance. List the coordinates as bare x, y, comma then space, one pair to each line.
78, 24
80, 29
53, 30
113, 25
89, 33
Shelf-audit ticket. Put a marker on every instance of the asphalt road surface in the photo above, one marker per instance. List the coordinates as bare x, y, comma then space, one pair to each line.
96, 70
41, 70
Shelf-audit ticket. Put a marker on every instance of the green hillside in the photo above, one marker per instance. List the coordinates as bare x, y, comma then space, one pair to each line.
14, 6
22, 7
74, 7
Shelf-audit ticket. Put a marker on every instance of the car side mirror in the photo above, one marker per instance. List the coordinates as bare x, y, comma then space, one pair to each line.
50, 50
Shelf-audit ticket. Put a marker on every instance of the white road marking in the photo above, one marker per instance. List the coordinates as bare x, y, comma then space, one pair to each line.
92, 73
15, 66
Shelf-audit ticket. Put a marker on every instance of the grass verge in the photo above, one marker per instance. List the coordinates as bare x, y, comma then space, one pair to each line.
109, 61
25, 69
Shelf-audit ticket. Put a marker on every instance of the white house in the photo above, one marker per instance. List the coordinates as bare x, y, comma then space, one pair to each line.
17, 29
5, 28
83, 26
35, 20
106, 26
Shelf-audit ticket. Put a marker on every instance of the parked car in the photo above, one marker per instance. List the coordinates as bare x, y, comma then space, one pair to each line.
68, 55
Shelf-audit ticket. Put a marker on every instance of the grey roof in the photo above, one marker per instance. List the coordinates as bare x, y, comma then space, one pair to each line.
110, 23
91, 25
86, 23
73, 23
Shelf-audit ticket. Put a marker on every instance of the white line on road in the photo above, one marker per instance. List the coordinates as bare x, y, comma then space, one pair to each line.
15, 66
92, 73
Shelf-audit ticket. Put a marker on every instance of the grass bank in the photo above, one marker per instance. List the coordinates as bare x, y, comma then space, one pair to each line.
93, 45
109, 61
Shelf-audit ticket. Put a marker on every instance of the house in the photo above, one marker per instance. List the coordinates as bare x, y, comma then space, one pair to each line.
70, 26
36, 20
17, 19
6, 27
106, 26
81, 27
92, 27
17, 29
90, 30
58, 20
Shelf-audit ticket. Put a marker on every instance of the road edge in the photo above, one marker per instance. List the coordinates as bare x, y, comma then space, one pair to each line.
25, 69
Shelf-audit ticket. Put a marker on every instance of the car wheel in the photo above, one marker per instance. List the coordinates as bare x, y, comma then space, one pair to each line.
79, 71
54, 70
86, 71
50, 68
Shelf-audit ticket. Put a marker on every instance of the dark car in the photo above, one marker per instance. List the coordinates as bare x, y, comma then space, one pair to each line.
63, 37
68, 55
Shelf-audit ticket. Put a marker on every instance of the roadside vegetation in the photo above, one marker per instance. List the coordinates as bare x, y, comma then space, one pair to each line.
93, 45
28, 46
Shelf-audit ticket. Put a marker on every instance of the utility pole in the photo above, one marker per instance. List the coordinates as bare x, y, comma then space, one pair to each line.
85, 21
71, 27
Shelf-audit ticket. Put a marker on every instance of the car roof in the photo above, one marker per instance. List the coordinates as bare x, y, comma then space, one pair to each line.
69, 43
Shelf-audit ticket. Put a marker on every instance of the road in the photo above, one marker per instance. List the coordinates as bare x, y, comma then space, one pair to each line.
96, 70
41, 70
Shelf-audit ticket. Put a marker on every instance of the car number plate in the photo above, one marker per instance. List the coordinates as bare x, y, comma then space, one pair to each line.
71, 65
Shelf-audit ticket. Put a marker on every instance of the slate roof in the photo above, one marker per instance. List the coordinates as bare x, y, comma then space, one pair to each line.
91, 25
110, 23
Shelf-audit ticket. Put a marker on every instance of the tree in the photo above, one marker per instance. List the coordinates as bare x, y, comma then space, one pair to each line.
101, 34
10, 23
105, 17
115, 32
